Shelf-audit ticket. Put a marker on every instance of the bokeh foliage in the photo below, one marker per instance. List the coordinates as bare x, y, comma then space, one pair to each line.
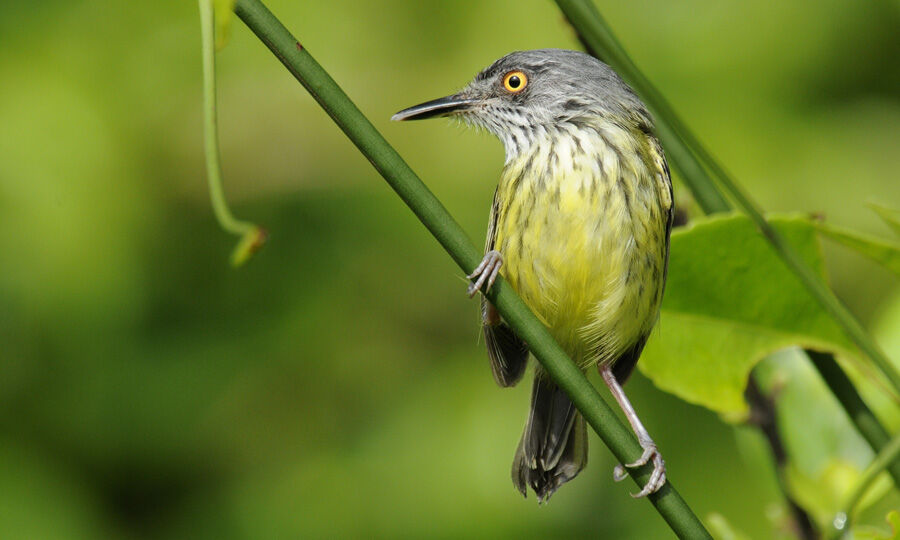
335, 385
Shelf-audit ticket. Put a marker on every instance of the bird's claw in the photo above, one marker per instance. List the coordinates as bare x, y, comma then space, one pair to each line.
657, 478
486, 272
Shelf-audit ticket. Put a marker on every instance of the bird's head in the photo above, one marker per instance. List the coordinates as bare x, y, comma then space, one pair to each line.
528, 94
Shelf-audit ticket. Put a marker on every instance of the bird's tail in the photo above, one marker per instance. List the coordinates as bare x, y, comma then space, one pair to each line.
553, 449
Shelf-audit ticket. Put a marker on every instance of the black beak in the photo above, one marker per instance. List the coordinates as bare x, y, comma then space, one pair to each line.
436, 107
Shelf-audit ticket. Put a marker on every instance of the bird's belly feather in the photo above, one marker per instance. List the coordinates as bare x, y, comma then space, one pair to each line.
587, 256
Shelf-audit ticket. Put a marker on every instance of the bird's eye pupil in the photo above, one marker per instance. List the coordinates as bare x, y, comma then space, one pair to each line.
515, 81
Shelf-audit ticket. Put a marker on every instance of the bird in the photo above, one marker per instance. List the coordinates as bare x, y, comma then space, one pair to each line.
580, 228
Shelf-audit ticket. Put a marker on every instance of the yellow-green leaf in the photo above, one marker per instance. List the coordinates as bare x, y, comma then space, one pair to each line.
889, 215
827, 456
870, 533
884, 252
721, 529
730, 301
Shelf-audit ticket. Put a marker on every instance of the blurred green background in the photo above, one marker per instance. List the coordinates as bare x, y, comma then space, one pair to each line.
336, 385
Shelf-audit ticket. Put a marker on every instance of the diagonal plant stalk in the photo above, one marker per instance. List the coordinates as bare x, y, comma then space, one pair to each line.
679, 141
888, 455
598, 39
860, 414
454, 240
684, 148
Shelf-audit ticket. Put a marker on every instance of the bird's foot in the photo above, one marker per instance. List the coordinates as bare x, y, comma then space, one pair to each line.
486, 272
657, 479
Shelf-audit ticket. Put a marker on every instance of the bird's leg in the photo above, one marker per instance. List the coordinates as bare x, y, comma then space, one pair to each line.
486, 272
658, 478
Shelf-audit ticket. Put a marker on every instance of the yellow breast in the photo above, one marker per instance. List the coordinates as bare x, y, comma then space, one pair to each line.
581, 223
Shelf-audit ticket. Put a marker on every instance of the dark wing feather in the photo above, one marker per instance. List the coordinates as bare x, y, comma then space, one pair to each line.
623, 367
508, 354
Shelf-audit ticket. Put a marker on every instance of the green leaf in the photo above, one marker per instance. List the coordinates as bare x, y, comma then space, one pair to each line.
721, 529
870, 533
889, 215
224, 12
813, 427
827, 456
884, 252
886, 328
730, 301
822, 495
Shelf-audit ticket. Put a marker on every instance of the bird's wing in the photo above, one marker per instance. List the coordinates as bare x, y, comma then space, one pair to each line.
625, 364
664, 184
508, 354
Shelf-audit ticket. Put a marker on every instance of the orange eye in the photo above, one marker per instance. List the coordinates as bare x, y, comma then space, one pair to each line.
515, 81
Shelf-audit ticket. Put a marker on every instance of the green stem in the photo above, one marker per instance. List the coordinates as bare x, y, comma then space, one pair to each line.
888, 455
681, 143
252, 236
764, 415
599, 40
863, 417
682, 147
454, 240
